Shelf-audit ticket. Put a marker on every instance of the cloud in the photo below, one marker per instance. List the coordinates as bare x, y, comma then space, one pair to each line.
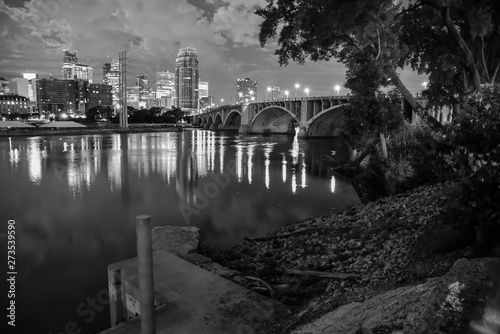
238, 20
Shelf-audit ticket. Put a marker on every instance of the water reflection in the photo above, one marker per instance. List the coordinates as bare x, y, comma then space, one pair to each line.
75, 198
181, 159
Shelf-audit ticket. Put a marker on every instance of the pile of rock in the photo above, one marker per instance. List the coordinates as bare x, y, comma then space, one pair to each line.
384, 244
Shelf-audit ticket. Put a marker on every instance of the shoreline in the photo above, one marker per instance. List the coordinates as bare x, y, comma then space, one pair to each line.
343, 259
140, 128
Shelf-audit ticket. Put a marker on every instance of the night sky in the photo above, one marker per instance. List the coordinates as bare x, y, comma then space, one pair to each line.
224, 32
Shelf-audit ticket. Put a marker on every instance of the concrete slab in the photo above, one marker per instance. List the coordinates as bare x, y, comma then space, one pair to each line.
192, 299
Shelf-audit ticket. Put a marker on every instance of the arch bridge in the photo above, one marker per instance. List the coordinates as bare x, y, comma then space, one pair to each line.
320, 116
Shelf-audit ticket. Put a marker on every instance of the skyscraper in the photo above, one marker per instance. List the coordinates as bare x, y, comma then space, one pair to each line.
71, 69
165, 91
186, 79
111, 76
246, 90
203, 89
142, 83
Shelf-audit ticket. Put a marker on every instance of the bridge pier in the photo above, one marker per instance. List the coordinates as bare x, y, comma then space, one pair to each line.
245, 125
245, 129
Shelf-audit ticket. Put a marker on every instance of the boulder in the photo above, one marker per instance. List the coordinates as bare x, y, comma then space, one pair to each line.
440, 305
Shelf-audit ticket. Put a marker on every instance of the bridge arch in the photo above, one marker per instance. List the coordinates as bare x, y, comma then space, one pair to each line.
233, 120
326, 123
275, 119
217, 121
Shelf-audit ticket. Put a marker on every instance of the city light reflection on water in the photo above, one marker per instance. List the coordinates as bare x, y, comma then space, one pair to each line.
74, 199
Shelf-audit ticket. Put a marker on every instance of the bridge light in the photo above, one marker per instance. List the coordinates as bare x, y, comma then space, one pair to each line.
296, 87
286, 94
307, 92
337, 88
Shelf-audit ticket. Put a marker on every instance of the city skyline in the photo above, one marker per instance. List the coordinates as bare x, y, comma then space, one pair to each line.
223, 32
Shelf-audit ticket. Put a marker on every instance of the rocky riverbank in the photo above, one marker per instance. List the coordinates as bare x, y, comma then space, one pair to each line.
319, 264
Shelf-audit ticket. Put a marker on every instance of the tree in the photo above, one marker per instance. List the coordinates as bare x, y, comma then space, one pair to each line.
174, 115
394, 36
456, 43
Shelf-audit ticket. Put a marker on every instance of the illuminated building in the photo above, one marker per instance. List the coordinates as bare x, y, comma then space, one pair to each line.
4, 86
98, 95
206, 102
186, 79
111, 76
12, 104
133, 97
203, 89
246, 90
55, 96
142, 83
72, 70
165, 91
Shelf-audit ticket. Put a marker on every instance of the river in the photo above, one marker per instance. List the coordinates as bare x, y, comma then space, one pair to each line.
74, 200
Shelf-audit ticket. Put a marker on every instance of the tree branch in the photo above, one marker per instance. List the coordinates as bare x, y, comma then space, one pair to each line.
424, 114
379, 47
409, 9
484, 60
494, 76
469, 58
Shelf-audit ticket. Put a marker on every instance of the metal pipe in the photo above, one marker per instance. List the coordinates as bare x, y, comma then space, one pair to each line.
145, 268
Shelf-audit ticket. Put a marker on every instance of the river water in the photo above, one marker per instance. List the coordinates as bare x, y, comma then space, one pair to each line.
74, 200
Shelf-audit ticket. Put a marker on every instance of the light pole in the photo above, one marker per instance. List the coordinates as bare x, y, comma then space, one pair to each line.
296, 87
221, 100
307, 92
425, 85
337, 88
268, 93
286, 94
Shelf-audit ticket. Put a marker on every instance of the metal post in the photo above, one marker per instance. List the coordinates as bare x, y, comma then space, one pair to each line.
145, 268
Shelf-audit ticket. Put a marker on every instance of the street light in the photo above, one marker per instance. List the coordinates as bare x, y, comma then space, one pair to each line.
221, 100
337, 88
425, 85
307, 91
268, 92
296, 87
286, 94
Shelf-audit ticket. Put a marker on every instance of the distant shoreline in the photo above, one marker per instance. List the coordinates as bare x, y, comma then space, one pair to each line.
134, 128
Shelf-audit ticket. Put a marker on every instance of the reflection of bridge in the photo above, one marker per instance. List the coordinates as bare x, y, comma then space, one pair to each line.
319, 116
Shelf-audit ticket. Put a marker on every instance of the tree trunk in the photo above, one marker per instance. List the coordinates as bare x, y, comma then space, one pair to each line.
469, 58
417, 108
383, 145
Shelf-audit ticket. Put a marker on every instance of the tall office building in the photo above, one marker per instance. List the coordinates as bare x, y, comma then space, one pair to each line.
202, 89
72, 70
31, 77
142, 83
111, 76
186, 79
246, 90
19, 86
165, 91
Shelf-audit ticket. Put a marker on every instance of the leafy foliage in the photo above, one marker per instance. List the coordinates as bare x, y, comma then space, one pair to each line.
477, 160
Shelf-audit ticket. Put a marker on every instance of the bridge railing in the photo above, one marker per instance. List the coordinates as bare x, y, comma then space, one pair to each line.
290, 99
